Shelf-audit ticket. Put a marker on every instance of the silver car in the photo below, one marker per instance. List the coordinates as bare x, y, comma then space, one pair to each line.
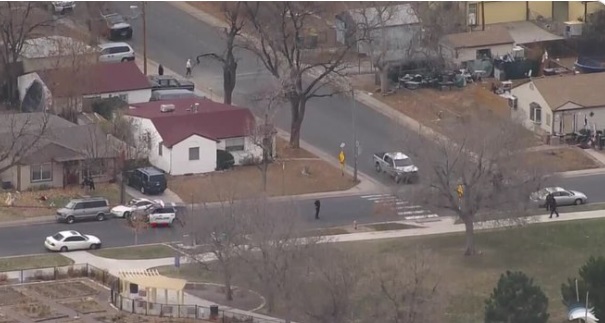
561, 195
90, 208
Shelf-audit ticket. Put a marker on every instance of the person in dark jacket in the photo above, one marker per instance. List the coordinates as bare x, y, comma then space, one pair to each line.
317, 207
161, 70
551, 203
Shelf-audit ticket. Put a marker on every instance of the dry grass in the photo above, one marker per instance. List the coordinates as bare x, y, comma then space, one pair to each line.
562, 160
284, 177
32, 262
45, 202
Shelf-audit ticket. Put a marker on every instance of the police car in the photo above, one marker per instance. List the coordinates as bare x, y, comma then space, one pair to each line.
161, 214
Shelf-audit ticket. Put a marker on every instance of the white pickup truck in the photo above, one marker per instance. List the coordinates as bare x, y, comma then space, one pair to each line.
398, 165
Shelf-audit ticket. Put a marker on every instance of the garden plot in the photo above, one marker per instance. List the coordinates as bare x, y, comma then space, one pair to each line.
38, 312
64, 290
10, 296
84, 305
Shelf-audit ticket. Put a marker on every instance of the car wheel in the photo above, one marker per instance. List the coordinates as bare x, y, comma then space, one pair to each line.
397, 179
126, 215
124, 60
100, 217
94, 246
63, 249
378, 168
70, 220
578, 202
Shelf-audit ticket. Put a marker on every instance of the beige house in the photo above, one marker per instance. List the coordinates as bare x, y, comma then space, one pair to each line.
559, 105
47, 151
469, 46
56, 52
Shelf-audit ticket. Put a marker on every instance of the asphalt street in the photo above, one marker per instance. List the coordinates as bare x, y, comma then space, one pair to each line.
592, 185
173, 36
29, 239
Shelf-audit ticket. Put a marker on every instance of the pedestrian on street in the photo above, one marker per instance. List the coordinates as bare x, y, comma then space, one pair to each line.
552, 205
161, 70
317, 207
188, 67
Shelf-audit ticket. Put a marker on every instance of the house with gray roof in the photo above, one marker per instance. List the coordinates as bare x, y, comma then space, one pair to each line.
43, 150
469, 46
559, 105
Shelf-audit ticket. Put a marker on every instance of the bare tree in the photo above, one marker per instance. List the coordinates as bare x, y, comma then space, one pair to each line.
137, 222
403, 290
234, 15
275, 251
19, 21
220, 231
279, 30
263, 133
478, 166
20, 135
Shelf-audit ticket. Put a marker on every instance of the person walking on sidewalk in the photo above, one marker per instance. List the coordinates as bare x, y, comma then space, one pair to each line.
188, 68
160, 70
317, 207
552, 205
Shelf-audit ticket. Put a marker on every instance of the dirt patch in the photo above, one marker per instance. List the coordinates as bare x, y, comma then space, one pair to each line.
43, 202
85, 305
561, 160
10, 296
243, 299
443, 110
294, 172
64, 290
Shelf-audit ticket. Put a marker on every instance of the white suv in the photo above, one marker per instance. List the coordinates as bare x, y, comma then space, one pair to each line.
115, 52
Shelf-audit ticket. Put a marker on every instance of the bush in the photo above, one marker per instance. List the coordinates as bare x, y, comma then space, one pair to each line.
107, 107
516, 299
591, 280
224, 160
251, 161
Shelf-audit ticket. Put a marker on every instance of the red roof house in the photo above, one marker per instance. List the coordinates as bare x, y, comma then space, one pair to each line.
183, 135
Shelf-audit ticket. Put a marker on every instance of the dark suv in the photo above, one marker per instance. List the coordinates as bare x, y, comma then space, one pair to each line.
148, 180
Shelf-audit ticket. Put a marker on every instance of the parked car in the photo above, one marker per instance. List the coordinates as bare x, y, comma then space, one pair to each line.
62, 7
125, 211
159, 82
398, 165
171, 94
115, 52
88, 208
148, 180
116, 27
561, 195
162, 215
71, 240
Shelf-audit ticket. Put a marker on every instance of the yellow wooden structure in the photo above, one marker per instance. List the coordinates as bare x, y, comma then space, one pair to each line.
151, 281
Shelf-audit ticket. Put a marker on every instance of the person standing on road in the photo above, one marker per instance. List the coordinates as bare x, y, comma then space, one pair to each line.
317, 207
553, 206
160, 70
188, 68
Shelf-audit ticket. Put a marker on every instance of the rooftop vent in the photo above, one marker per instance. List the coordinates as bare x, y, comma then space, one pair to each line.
167, 108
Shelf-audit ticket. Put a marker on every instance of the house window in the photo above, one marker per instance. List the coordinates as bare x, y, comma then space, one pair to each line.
160, 145
535, 112
41, 173
472, 14
484, 53
194, 153
123, 97
93, 168
234, 144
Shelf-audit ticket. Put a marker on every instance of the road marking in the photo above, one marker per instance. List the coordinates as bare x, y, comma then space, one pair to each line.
403, 208
410, 206
412, 212
375, 195
418, 217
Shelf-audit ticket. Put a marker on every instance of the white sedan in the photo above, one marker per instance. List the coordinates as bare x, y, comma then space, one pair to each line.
71, 240
125, 211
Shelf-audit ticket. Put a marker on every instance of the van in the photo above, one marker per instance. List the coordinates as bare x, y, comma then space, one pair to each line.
115, 53
172, 94
148, 180
88, 208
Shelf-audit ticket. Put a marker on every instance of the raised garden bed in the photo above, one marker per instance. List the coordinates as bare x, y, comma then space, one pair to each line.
86, 305
10, 296
38, 312
63, 290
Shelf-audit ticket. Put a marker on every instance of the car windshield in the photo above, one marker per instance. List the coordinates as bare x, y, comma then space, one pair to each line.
58, 237
70, 205
403, 162
156, 178
132, 202
115, 19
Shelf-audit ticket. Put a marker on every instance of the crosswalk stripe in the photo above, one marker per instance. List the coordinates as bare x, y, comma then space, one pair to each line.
410, 207
403, 208
418, 217
375, 195
412, 212
382, 199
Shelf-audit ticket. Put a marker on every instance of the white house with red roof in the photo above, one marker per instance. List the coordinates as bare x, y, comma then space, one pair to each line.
74, 85
183, 135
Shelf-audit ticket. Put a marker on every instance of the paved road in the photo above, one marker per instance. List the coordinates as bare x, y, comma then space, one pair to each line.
173, 36
23, 240
591, 185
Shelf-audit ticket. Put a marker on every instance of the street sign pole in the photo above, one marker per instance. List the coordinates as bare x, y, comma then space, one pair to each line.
355, 142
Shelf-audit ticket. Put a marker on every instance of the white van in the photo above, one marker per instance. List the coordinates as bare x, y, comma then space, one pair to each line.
115, 52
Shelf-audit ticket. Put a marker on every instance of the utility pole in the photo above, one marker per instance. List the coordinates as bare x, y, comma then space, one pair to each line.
355, 142
144, 37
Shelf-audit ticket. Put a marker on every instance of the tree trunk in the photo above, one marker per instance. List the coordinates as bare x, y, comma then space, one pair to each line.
298, 113
384, 79
229, 78
469, 226
229, 292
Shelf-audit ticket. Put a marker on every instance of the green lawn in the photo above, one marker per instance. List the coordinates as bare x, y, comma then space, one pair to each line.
33, 262
137, 252
549, 252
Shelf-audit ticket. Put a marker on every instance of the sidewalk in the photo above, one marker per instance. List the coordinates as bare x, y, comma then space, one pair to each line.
431, 228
